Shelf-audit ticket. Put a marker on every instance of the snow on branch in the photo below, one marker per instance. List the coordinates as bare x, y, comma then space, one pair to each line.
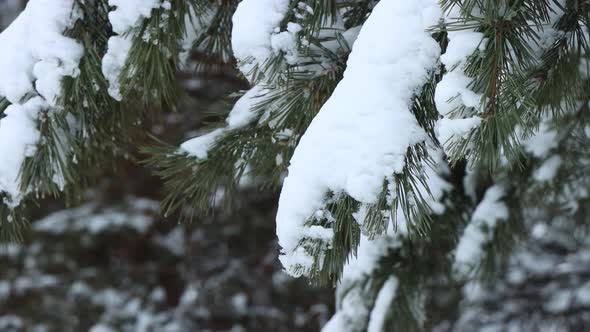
480, 230
127, 15
382, 305
362, 133
454, 91
241, 115
255, 33
355, 304
35, 57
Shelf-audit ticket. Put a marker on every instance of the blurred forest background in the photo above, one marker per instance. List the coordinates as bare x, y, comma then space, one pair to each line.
114, 264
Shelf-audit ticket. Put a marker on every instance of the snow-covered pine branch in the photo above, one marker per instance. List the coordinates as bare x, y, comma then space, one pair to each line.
36, 57
366, 128
125, 18
416, 137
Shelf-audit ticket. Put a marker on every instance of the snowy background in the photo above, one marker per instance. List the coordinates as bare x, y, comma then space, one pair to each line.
114, 264
121, 268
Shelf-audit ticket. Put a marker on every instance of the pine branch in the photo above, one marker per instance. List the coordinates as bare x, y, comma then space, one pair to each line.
149, 74
264, 147
13, 224
499, 73
215, 40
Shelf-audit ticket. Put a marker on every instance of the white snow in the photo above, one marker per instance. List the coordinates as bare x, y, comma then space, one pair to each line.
447, 129
36, 57
453, 91
480, 230
86, 219
114, 61
437, 185
36, 54
127, 15
368, 254
174, 240
18, 139
549, 34
382, 305
543, 141
11, 322
462, 44
366, 127
546, 172
241, 115
352, 311
286, 42
353, 306
200, 145
560, 301
432, 192
239, 303
189, 296
101, 328
254, 24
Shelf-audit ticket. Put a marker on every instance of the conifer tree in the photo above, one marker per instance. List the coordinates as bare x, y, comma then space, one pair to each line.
423, 149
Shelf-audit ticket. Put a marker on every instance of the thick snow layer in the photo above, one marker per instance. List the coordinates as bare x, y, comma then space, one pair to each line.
241, 115
255, 23
36, 57
462, 44
18, 139
286, 42
114, 61
127, 15
361, 135
479, 231
35, 53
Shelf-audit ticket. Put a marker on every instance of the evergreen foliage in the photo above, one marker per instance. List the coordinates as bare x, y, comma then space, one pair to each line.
525, 150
